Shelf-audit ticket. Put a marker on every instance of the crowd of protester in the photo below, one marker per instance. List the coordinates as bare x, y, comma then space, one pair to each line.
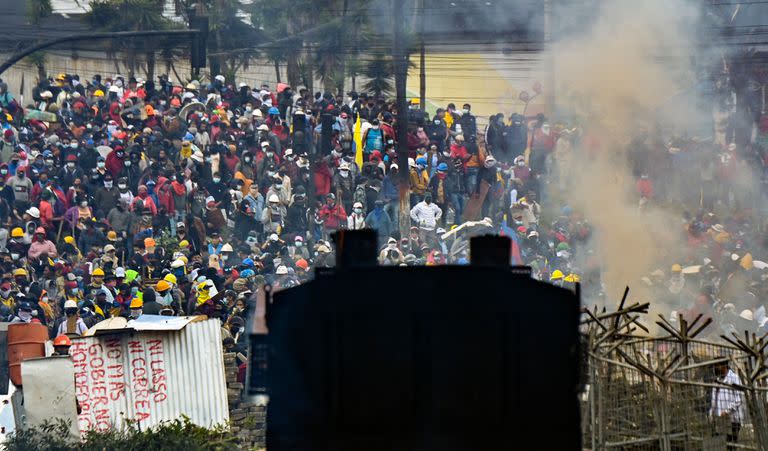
123, 197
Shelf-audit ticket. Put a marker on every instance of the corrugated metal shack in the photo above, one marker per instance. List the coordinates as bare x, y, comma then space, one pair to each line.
155, 369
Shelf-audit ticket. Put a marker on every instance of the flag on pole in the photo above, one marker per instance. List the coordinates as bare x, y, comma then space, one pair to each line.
358, 137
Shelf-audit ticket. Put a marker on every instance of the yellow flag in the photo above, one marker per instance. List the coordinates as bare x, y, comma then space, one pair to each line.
358, 136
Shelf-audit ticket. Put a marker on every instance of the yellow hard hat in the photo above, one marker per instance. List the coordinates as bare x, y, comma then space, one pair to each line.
69, 239
184, 259
17, 232
112, 235
20, 272
98, 93
184, 243
573, 278
677, 268
98, 272
162, 285
136, 303
415, 100
170, 278
556, 275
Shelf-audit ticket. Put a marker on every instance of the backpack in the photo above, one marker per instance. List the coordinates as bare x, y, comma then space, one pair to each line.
374, 140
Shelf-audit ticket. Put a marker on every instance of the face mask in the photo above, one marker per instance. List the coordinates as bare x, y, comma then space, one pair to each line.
3, 171
344, 174
100, 164
25, 316
71, 165
247, 160
127, 163
108, 185
14, 256
521, 163
278, 186
465, 111
84, 204
216, 180
375, 127
122, 186
135, 313
358, 210
297, 243
289, 158
271, 173
270, 154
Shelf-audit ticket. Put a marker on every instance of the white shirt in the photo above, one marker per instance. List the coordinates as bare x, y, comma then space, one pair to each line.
355, 222
426, 215
80, 327
728, 400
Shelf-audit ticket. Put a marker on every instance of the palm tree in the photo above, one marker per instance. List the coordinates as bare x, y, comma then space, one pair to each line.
38, 10
129, 15
379, 71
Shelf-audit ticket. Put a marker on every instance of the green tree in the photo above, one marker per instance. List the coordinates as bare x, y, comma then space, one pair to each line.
380, 72
130, 15
38, 10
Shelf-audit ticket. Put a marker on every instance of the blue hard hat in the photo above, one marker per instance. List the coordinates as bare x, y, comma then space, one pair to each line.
422, 161
273, 110
442, 167
247, 273
248, 262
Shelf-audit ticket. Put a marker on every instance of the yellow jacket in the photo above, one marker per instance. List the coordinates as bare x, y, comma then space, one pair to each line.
419, 182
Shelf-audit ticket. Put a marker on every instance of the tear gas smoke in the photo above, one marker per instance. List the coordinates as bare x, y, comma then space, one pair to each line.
614, 78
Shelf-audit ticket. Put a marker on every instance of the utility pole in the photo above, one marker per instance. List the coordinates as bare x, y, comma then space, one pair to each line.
401, 76
422, 60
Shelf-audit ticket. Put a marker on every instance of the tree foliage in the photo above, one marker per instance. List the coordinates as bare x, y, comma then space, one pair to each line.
176, 435
380, 70
38, 10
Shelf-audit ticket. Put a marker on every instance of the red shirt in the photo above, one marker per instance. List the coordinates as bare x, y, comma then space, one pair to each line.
46, 214
644, 188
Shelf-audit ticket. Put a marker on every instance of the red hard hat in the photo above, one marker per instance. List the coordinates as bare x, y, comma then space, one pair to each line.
62, 340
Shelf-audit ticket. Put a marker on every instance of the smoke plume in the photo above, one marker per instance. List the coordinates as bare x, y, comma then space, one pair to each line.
616, 79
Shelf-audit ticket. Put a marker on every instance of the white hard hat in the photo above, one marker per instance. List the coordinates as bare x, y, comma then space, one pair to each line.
227, 248
177, 263
220, 78
746, 314
114, 89
281, 270
274, 198
263, 127
344, 166
70, 304
411, 163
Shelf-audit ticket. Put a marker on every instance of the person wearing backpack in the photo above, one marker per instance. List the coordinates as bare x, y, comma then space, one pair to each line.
374, 138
